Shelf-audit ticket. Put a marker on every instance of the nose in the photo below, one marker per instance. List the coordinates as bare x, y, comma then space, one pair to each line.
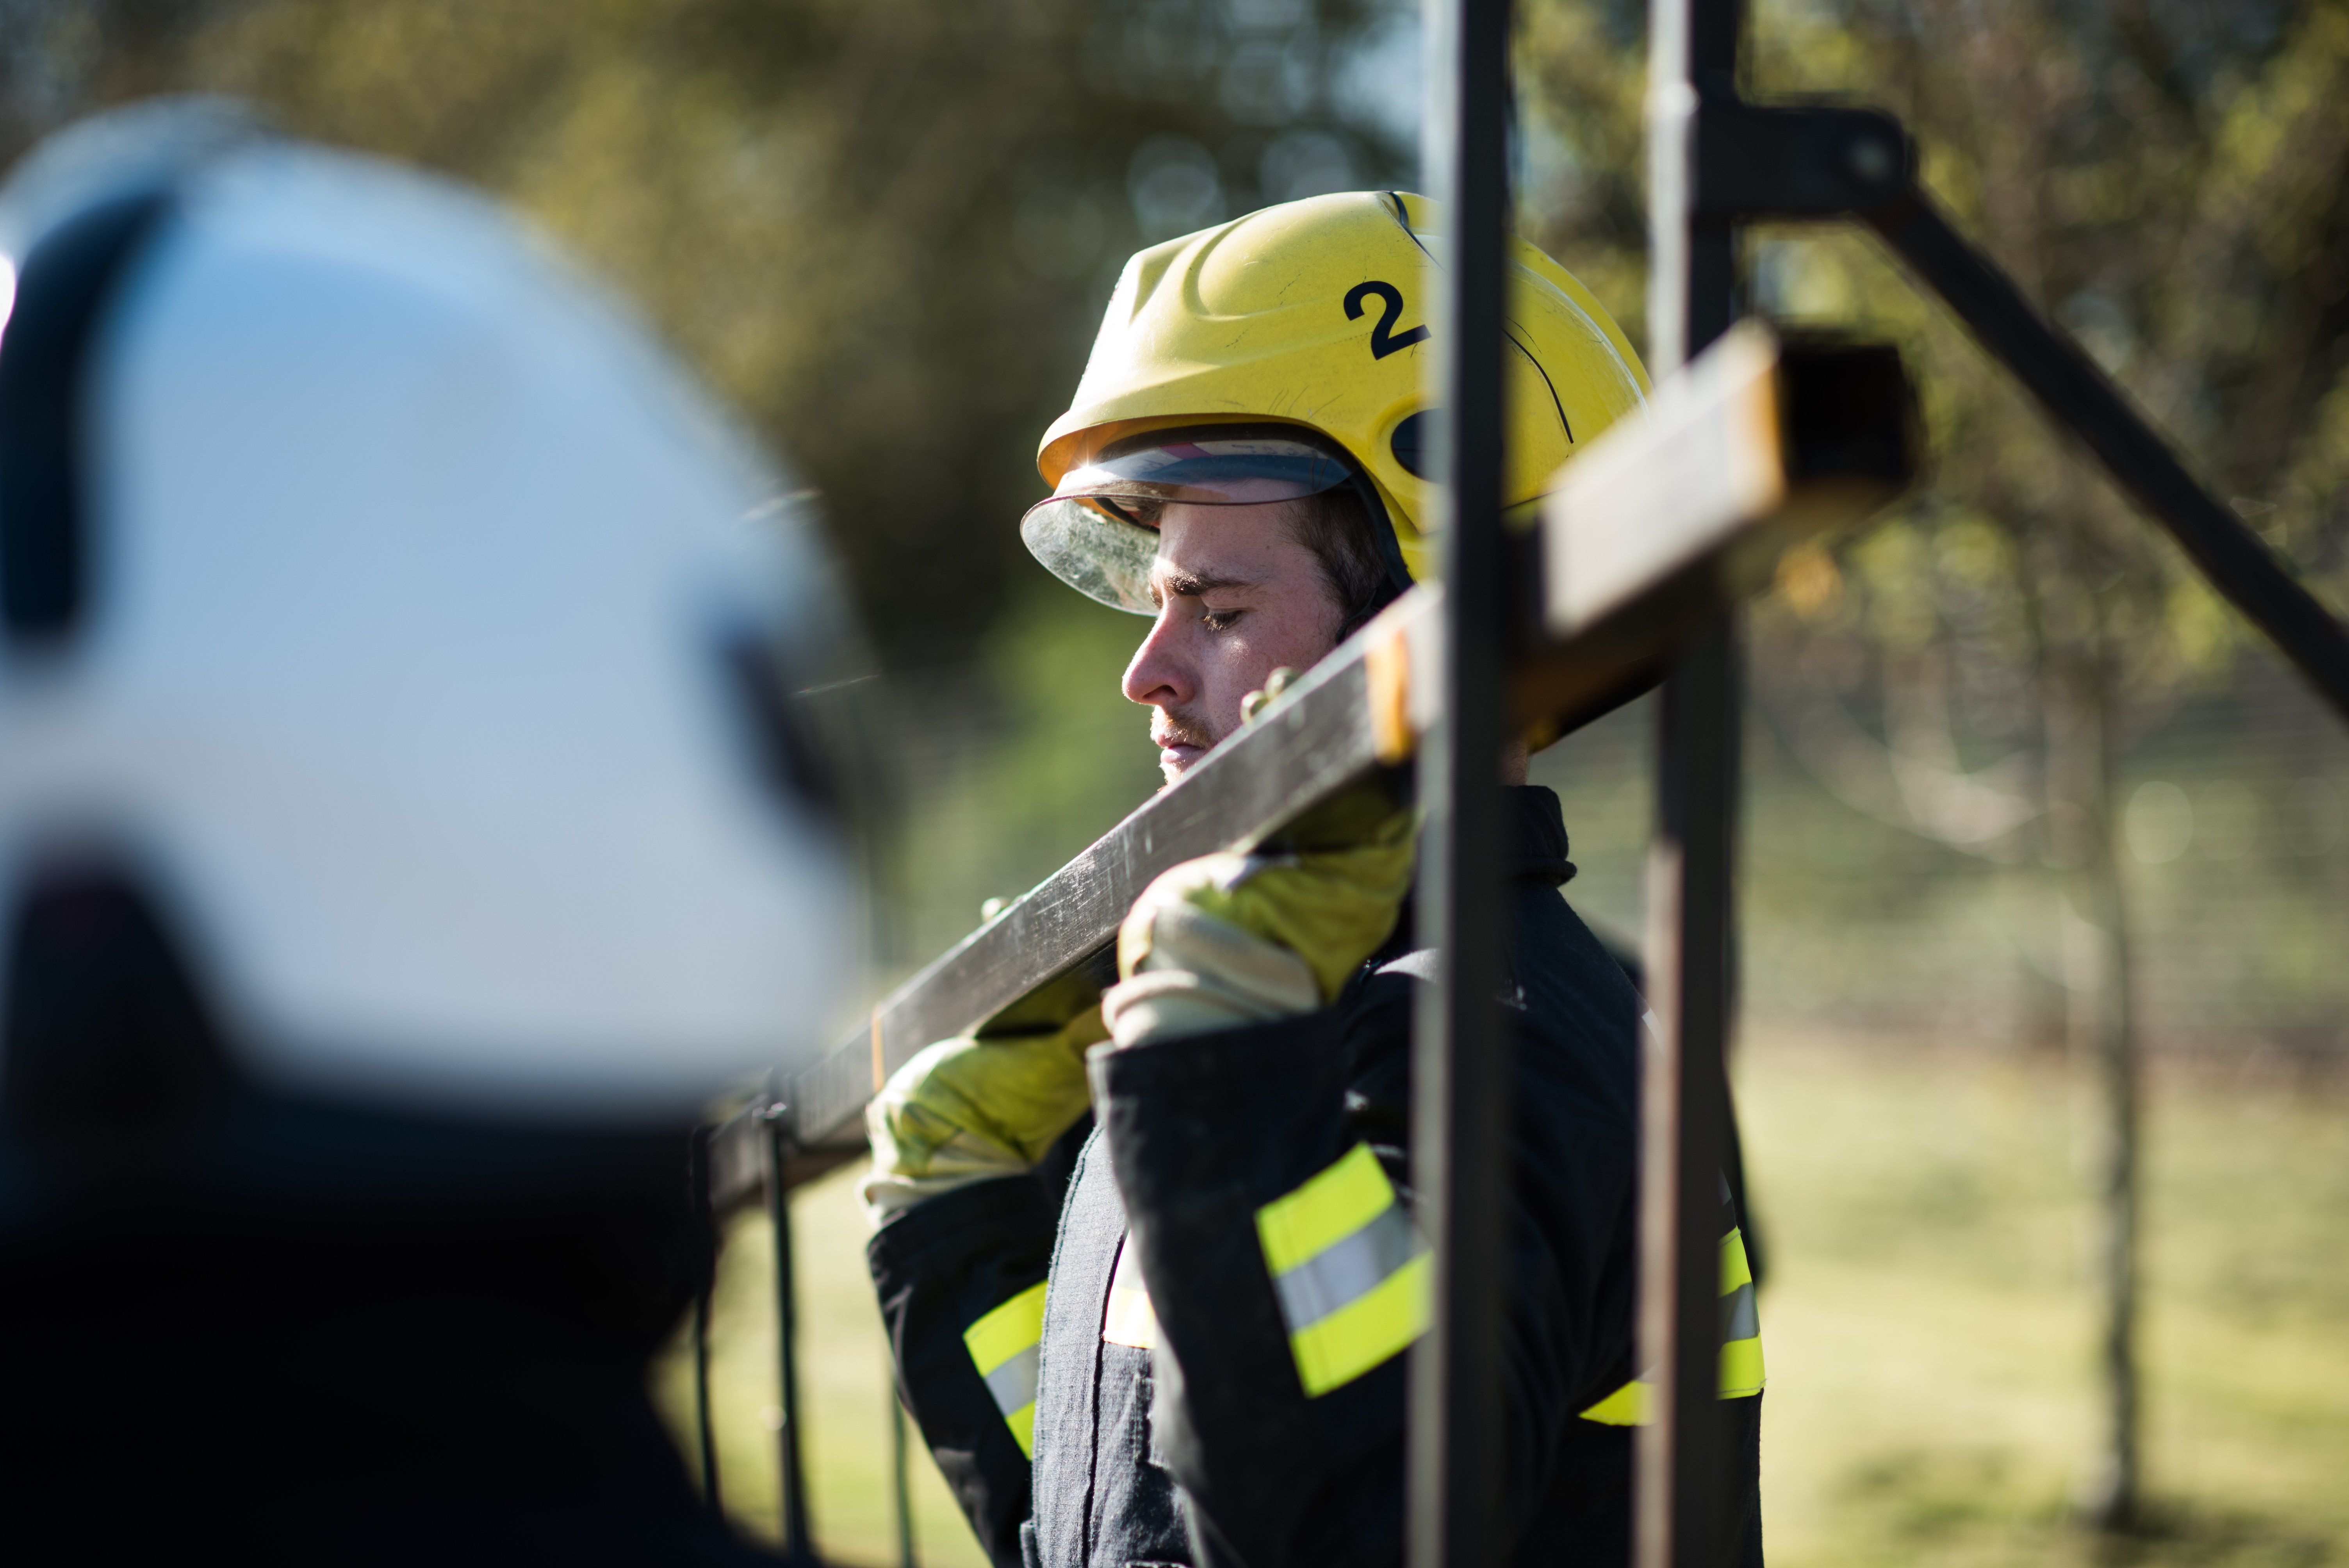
1161, 674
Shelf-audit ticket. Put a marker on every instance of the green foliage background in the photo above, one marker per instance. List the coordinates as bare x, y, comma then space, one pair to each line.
886, 228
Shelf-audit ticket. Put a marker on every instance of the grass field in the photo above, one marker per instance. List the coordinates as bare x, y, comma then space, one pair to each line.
1927, 1334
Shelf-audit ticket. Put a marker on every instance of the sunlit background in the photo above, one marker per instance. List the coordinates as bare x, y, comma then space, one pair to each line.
2022, 794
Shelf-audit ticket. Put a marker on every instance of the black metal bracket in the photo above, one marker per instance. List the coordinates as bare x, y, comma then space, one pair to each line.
1807, 161
1755, 162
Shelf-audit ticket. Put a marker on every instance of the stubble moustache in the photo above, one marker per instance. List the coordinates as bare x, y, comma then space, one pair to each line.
1182, 726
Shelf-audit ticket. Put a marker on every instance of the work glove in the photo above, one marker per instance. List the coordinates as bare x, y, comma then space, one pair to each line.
1230, 939
972, 1109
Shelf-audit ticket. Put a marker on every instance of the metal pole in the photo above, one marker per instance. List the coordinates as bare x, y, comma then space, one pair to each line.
704, 1430
799, 1541
1680, 1511
1682, 1478
2083, 400
901, 1489
1459, 1124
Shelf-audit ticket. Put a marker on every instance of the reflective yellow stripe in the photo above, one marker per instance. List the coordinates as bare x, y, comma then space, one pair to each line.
1627, 1406
1004, 1346
1007, 1330
1129, 1319
1740, 1359
1741, 1378
1734, 1270
1367, 1331
1741, 1368
1354, 1285
1022, 1422
1328, 1209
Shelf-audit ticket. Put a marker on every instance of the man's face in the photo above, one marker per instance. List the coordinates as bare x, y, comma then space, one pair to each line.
1238, 598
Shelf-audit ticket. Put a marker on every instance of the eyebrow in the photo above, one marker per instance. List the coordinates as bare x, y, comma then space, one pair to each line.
1191, 584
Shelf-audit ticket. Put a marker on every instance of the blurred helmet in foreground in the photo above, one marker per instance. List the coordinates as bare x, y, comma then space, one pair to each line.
397, 657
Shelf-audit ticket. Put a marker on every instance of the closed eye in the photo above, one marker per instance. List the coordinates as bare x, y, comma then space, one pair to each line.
1165, 584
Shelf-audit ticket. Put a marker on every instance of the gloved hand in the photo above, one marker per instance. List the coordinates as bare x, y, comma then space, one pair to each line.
1230, 939
967, 1110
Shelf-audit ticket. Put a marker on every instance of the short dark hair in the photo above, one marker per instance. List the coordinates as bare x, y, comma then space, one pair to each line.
1337, 528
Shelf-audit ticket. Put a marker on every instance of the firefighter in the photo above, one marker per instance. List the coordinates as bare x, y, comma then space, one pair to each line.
1175, 1335
399, 850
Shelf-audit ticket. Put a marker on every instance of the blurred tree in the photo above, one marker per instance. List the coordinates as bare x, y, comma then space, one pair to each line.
2169, 178
883, 227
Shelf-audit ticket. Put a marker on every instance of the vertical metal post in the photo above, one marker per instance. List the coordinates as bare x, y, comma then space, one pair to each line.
901, 1487
1459, 1126
1683, 1501
799, 1540
1682, 1510
705, 1431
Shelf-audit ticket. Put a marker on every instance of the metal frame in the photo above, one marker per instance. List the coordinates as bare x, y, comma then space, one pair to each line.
1459, 1168
1716, 160
1679, 1508
1442, 675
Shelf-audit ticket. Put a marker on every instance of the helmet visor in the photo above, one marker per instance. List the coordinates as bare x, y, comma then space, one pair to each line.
1098, 531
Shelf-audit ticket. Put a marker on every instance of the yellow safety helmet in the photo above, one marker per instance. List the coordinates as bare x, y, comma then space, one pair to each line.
1278, 356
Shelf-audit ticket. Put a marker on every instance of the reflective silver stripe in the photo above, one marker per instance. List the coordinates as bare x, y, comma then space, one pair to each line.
1013, 1384
1738, 1318
1345, 1270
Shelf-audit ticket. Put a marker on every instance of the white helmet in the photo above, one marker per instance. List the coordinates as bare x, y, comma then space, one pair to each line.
411, 629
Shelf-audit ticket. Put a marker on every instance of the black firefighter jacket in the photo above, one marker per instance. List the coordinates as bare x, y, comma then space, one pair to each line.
1150, 1309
